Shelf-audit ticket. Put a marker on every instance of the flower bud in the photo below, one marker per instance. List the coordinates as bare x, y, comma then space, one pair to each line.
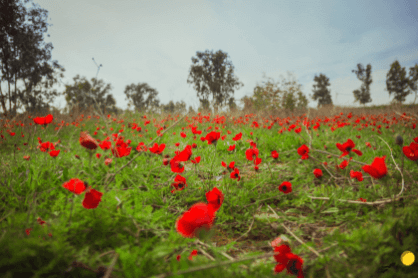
399, 140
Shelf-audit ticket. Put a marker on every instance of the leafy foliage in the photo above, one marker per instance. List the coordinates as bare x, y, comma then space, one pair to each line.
24, 56
144, 97
274, 96
363, 95
84, 94
210, 79
171, 107
321, 93
397, 82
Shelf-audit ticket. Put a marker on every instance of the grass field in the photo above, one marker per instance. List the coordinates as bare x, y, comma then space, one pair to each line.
133, 216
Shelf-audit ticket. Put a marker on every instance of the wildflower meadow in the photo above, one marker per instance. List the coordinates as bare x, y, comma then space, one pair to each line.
210, 195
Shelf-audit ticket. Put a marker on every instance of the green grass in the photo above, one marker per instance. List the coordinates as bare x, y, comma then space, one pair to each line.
132, 231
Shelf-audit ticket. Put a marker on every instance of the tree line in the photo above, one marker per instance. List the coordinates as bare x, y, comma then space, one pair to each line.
25, 57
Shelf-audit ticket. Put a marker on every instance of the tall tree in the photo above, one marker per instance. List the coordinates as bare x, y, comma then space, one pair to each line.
413, 78
144, 98
23, 56
397, 82
321, 92
364, 75
84, 94
213, 78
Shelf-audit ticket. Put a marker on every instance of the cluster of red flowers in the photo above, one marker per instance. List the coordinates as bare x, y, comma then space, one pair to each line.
201, 215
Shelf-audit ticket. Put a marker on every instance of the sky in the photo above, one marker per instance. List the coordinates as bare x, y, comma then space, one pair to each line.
153, 42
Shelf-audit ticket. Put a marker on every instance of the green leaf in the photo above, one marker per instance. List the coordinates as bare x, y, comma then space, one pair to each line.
331, 210
65, 174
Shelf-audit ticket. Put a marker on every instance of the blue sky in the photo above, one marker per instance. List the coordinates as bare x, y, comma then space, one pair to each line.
153, 42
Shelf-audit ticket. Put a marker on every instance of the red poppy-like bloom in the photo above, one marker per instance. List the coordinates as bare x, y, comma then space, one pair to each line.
121, 151
43, 120
317, 173
231, 148
141, 147
105, 145
377, 169
281, 257
75, 185
237, 137
303, 151
157, 149
294, 265
40, 221
287, 260
192, 254
165, 161
347, 147
363, 200
199, 216
411, 152
274, 154
213, 137
235, 174
251, 153
26, 157
356, 175
46, 146
215, 198
230, 167
183, 134
196, 160
185, 154
92, 199
176, 166
87, 141
344, 163
28, 231
54, 153
285, 187
108, 161
179, 183
257, 161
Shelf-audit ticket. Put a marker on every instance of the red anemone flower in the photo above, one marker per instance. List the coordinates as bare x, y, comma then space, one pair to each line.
179, 183
105, 145
230, 167
46, 146
75, 185
317, 173
231, 148
199, 216
237, 137
213, 137
303, 151
54, 153
43, 120
87, 141
356, 175
274, 154
411, 152
196, 160
235, 174
285, 187
157, 149
185, 154
347, 147
176, 166
377, 169
92, 199
215, 198
251, 153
